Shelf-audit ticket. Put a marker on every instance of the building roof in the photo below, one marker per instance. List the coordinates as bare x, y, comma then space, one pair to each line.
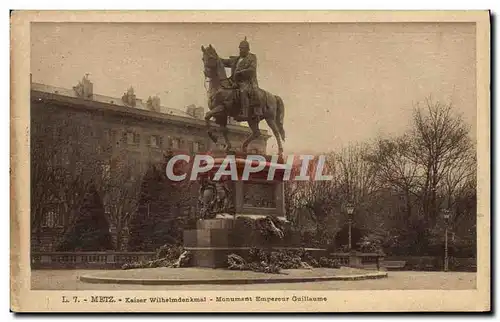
104, 99
116, 105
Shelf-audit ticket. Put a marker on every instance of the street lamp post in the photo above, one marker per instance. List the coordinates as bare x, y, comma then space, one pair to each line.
350, 211
446, 214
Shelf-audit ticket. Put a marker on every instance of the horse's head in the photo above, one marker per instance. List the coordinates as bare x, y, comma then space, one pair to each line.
210, 61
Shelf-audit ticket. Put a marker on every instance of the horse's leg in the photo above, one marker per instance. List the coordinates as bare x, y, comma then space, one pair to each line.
270, 114
208, 116
225, 132
212, 113
254, 126
274, 127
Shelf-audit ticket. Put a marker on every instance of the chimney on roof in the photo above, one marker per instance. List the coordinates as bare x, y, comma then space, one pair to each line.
199, 112
196, 112
190, 109
85, 88
153, 103
129, 98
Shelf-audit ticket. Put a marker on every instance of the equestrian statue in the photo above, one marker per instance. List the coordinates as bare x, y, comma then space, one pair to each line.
239, 96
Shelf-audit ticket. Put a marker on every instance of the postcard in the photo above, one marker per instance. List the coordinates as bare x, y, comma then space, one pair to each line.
250, 161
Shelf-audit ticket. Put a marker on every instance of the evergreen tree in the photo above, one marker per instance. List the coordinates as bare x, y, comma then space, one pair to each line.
142, 224
158, 221
90, 229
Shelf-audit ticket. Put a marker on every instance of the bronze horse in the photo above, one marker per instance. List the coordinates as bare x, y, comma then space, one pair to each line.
223, 103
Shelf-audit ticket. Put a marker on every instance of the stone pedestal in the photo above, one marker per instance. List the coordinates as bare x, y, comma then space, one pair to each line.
355, 260
242, 202
214, 239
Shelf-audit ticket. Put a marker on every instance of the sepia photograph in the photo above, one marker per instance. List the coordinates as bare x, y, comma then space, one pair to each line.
290, 164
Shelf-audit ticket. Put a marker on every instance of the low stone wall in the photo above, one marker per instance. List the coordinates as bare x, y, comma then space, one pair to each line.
115, 260
86, 260
434, 263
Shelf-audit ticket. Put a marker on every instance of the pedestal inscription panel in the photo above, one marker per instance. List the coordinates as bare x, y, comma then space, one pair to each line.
259, 195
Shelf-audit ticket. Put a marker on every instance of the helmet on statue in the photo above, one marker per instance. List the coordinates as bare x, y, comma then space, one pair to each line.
244, 44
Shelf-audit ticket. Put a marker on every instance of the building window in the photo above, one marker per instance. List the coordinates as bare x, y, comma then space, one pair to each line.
194, 147
130, 137
148, 210
51, 219
65, 156
133, 138
106, 171
197, 147
107, 210
49, 247
154, 141
110, 136
176, 143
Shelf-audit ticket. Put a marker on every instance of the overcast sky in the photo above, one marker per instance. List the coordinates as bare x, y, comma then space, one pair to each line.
341, 83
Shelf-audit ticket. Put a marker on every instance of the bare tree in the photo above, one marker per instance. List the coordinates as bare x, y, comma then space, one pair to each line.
291, 191
353, 180
356, 175
310, 200
439, 140
457, 179
395, 169
54, 186
465, 213
66, 161
45, 191
120, 187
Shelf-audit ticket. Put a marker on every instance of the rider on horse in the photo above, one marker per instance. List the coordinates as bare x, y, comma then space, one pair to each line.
223, 101
244, 74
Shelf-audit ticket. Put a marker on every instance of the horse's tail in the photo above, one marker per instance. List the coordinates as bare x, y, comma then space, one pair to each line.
280, 115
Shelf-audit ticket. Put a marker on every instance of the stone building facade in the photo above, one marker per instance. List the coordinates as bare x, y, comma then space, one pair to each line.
76, 131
